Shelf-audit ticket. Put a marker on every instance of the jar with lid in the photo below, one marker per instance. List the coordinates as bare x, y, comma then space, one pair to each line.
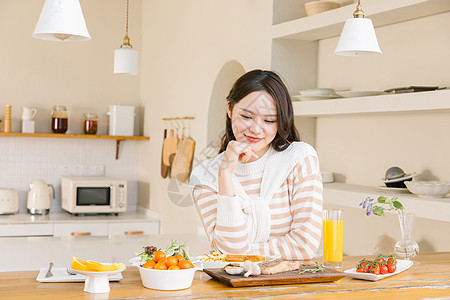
59, 119
90, 123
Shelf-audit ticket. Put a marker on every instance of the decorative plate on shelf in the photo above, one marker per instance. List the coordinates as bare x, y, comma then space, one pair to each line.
402, 265
352, 94
312, 98
394, 189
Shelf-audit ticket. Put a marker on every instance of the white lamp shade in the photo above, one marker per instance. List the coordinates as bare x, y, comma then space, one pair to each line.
358, 38
125, 61
61, 20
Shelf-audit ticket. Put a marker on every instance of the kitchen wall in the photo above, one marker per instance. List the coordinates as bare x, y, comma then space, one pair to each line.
360, 148
37, 73
186, 45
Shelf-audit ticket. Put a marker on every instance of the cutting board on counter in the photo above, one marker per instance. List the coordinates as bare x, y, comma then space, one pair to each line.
291, 277
181, 167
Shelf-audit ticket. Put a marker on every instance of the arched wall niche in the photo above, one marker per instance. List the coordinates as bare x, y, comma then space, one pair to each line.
225, 79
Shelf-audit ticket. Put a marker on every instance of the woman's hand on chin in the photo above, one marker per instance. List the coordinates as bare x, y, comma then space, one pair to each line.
235, 154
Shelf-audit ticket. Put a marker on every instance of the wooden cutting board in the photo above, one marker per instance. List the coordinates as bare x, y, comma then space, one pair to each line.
181, 167
170, 146
291, 277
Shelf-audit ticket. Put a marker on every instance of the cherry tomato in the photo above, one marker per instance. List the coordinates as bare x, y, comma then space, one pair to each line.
160, 266
361, 270
179, 257
158, 255
171, 260
374, 269
391, 260
391, 268
383, 269
185, 264
379, 259
150, 264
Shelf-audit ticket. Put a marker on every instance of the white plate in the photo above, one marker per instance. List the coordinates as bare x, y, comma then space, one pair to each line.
220, 264
312, 98
61, 275
351, 94
402, 265
394, 189
317, 92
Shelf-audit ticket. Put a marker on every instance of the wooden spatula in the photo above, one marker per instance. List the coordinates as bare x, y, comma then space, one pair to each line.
164, 167
170, 147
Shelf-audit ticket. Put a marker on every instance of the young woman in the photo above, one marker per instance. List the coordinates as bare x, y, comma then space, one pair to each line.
263, 193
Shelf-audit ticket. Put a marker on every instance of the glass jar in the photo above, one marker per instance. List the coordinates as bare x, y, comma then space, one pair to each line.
59, 119
90, 123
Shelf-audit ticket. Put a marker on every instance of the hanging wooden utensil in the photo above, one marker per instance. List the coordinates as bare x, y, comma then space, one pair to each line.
181, 167
170, 147
164, 167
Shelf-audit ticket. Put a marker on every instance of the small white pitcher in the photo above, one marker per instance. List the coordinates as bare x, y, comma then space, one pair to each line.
28, 113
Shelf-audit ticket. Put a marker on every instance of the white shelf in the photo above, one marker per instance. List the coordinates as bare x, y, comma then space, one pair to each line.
410, 102
381, 12
350, 195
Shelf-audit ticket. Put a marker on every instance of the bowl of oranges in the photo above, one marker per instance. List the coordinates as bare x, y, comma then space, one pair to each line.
162, 272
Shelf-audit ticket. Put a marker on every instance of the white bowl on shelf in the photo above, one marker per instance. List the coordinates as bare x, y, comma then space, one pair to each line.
434, 189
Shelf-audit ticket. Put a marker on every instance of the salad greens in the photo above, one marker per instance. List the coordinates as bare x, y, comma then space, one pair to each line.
173, 249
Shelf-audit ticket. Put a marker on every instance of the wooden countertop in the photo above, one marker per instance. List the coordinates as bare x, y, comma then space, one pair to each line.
430, 278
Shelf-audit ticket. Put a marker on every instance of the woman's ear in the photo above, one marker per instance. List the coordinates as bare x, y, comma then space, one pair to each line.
229, 111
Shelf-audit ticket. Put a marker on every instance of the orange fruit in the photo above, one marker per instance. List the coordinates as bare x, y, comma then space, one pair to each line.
78, 264
174, 267
150, 264
171, 260
158, 255
162, 261
99, 267
160, 266
185, 264
179, 257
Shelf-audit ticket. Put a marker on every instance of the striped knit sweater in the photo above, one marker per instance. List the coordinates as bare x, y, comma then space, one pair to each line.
295, 209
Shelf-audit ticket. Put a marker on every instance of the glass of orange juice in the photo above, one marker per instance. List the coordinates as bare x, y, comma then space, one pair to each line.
333, 238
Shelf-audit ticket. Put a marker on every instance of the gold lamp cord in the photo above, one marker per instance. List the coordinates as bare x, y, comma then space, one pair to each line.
126, 39
359, 13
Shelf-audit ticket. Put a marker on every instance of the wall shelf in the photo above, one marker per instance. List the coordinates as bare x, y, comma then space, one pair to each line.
381, 12
76, 136
350, 195
410, 102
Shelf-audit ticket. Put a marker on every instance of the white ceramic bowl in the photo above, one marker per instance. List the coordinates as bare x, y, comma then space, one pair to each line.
167, 280
317, 7
428, 188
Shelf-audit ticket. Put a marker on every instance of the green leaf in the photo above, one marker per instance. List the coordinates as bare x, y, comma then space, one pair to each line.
398, 205
379, 211
381, 199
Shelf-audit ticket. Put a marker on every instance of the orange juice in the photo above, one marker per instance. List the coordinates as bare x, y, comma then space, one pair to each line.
333, 235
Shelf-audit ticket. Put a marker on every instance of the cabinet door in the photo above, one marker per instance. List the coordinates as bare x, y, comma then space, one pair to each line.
77, 229
133, 228
9, 230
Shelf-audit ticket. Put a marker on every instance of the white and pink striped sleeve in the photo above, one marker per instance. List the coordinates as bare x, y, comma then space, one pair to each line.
223, 220
306, 203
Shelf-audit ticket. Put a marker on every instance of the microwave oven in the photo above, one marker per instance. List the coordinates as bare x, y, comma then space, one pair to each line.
93, 195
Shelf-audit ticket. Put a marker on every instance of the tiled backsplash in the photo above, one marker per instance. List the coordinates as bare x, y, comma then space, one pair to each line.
23, 160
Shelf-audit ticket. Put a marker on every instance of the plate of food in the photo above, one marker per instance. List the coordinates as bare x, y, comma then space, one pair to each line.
217, 260
367, 270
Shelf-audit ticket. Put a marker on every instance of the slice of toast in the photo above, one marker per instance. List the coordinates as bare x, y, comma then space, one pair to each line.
244, 257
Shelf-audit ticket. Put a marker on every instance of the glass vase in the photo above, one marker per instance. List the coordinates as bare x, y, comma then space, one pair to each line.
406, 248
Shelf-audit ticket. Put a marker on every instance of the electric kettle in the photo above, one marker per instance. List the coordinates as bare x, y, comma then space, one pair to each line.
38, 202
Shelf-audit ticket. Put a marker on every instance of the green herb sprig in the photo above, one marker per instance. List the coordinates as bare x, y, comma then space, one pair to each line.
318, 268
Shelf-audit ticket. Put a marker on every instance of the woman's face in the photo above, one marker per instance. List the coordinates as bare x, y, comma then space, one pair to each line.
254, 121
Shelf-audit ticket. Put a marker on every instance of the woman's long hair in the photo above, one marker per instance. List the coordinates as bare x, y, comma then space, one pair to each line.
268, 81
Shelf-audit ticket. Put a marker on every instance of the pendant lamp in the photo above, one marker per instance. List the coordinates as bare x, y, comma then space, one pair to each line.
61, 20
358, 36
126, 58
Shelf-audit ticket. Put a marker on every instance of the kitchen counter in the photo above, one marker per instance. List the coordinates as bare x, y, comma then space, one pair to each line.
32, 253
67, 217
429, 279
